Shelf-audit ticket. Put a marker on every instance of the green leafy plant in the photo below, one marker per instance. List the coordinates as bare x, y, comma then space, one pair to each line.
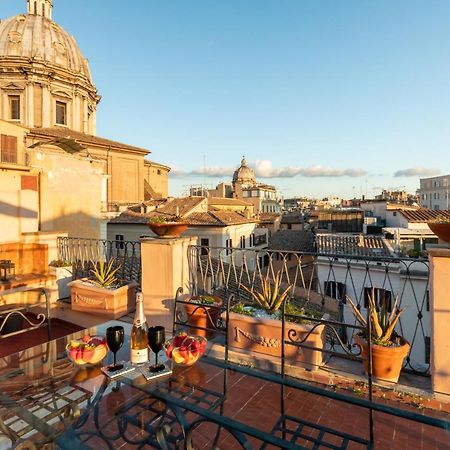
60, 263
383, 322
204, 299
105, 273
164, 219
269, 298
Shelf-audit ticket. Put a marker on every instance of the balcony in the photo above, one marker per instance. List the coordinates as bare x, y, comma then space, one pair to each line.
331, 404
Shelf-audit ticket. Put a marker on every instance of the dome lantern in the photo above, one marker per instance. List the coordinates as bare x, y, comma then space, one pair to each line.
40, 8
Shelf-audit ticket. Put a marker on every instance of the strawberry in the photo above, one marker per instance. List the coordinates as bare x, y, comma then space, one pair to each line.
86, 339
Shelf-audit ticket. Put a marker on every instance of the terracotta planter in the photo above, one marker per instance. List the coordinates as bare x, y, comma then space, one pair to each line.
113, 303
168, 229
263, 336
441, 230
198, 317
387, 362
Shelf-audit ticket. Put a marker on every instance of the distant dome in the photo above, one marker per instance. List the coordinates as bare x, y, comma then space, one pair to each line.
244, 174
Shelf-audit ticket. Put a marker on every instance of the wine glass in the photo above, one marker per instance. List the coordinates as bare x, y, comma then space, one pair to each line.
114, 339
156, 338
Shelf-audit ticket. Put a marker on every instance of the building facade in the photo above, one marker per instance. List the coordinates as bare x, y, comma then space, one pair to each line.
48, 105
434, 192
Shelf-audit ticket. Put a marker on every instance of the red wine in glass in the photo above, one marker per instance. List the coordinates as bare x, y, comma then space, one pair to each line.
156, 338
114, 338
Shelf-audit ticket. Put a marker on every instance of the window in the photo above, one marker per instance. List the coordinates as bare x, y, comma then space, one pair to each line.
334, 289
394, 213
61, 113
228, 245
381, 296
120, 241
158, 172
14, 107
242, 241
8, 149
204, 243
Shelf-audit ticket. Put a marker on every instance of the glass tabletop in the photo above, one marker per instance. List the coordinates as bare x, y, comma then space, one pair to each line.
46, 400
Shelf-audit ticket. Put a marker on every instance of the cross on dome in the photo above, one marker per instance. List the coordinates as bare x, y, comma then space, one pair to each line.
40, 8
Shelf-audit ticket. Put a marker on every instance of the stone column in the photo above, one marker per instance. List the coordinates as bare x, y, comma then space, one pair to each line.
29, 93
440, 319
164, 269
46, 107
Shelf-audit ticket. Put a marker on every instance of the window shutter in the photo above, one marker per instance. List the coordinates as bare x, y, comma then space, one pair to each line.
8, 149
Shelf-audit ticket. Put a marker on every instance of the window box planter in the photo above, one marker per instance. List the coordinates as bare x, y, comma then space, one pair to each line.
263, 335
113, 303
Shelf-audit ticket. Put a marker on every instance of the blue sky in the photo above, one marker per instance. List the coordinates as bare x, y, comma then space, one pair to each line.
322, 96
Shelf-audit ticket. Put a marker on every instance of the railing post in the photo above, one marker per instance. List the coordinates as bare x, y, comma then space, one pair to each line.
440, 319
165, 268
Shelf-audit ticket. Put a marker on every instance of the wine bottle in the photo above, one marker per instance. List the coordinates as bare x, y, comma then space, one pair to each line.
138, 338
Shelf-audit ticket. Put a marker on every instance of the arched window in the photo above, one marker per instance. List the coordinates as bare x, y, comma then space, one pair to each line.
35, 8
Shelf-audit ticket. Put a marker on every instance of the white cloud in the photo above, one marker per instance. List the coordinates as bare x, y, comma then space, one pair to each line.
416, 172
265, 169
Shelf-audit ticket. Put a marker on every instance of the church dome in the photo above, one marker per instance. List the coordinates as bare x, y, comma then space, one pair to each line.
35, 36
244, 174
44, 78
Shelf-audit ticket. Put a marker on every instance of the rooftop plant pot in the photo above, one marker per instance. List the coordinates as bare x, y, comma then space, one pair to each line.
387, 362
202, 315
441, 230
263, 335
168, 230
113, 303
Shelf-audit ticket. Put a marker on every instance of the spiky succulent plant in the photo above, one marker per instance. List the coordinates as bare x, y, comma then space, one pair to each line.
269, 298
104, 273
383, 322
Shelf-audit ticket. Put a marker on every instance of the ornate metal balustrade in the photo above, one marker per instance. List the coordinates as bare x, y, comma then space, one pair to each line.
321, 283
82, 253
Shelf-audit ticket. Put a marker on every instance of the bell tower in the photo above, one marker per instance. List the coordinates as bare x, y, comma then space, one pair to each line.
40, 8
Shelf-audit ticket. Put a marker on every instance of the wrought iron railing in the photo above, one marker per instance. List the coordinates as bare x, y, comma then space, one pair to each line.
322, 283
83, 253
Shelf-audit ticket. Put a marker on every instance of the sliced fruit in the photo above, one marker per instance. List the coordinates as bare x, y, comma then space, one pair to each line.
74, 344
96, 341
100, 352
169, 350
73, 353
88, 353
86, 339
177, 357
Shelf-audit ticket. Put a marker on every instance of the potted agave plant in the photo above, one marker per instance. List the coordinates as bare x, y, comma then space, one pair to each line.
167, 227
202, 311
103, 292
388, 348
257, 327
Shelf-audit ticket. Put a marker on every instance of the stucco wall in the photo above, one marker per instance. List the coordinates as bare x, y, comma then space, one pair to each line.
70, 189
18, 207
157, 178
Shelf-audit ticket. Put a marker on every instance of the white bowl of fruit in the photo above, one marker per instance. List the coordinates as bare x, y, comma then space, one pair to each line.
89, 350
185, 350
